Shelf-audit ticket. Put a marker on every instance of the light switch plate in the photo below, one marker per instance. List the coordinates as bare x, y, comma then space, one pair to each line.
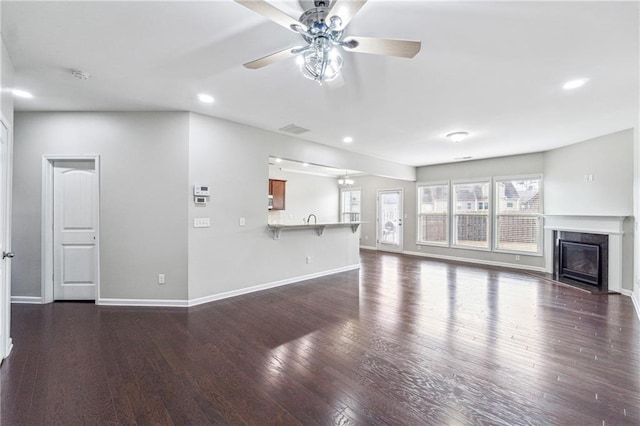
242, 221
201, 222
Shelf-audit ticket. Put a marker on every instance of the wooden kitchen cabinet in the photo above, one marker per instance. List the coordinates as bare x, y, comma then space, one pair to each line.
277, 189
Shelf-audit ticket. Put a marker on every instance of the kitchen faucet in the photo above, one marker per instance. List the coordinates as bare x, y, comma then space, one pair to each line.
315, 219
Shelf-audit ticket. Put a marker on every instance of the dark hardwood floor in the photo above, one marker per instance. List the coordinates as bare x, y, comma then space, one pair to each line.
404, 341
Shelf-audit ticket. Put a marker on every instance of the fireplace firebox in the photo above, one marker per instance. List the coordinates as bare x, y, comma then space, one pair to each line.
580, 262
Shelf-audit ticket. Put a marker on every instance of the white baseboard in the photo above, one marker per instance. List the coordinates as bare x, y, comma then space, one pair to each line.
260, 287
635, 297
27, 299
478, 261
145, 302
9, 348
220, 296
369, 248
626, 292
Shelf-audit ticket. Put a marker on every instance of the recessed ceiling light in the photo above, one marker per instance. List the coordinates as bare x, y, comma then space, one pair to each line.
347, 139
305, 164
457, 136
21, 93
278, 160
207, 99
574, 84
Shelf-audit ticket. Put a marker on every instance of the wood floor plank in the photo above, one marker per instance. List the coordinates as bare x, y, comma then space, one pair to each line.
404, 341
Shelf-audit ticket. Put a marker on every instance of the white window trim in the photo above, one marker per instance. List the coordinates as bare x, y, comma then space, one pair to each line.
449, 212
540, 215
452, 215
341, 212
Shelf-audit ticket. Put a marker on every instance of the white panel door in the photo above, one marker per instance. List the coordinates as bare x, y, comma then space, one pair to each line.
4, 279
75, 216
390, 214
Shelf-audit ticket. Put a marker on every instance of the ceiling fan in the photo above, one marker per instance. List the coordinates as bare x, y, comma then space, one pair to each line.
322, 28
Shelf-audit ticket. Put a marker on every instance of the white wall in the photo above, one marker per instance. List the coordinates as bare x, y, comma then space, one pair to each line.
306, 194
143, 190
609, 159
493, 167
369, 186
149, 163
228, 258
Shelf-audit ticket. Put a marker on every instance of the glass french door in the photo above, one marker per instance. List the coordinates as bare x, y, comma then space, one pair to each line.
390, 215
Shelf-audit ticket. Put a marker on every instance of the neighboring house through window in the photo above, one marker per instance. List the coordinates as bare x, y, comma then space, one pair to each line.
518, 219
471, 225
433, 214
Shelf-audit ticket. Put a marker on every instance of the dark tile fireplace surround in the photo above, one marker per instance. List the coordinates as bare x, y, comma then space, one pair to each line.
581, 260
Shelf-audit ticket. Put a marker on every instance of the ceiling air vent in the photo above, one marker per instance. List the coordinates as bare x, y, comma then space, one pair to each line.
293, 129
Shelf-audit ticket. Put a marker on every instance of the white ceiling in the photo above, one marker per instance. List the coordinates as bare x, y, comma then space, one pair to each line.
493, 69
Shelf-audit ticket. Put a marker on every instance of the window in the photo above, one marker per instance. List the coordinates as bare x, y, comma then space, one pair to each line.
471, 224
519, 214
350, 205
433, 214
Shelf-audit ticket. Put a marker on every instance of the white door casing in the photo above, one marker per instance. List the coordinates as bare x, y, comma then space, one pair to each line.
390, 214
71, 228
5, 238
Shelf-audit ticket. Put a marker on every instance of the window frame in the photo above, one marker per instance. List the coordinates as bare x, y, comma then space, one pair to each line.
539, 215
342, 212
489, 214
418, 214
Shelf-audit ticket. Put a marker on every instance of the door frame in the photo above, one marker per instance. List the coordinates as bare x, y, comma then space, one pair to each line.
5, 293
378, 236
47, 221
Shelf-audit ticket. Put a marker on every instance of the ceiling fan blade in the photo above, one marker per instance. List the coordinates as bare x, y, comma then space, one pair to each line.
271, 12
345, 10
383, 46
269, 59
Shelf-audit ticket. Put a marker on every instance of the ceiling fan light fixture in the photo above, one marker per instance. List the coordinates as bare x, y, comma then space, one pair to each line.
457, 136
320, 63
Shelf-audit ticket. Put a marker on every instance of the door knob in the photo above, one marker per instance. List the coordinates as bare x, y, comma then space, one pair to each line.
8, 254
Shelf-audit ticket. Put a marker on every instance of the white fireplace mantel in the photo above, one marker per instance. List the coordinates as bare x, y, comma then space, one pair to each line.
613, 226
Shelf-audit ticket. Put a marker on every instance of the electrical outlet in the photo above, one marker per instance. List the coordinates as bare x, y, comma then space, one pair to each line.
517, 257
242, 221
308, 259
160, 278
366, 237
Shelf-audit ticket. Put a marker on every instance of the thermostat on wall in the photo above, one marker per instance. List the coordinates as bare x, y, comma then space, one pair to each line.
201, 190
